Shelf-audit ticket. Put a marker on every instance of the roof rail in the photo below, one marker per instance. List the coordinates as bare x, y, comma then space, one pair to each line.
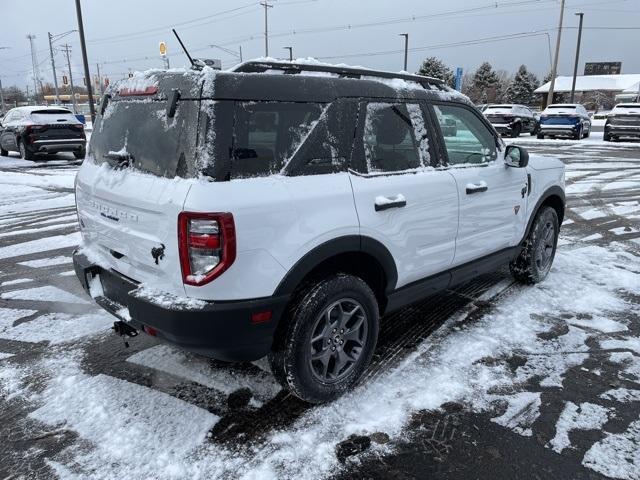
259, 66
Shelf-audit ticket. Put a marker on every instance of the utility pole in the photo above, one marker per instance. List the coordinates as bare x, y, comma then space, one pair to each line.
406, 49
554, 70
53, 67
575, 67
34, 65
240, 50
266, 6
1, 97
290, 52
99, 80
67, 49
85, 61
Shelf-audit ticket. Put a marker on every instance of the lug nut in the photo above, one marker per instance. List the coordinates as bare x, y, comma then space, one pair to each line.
335, 330
342, 330
333, 349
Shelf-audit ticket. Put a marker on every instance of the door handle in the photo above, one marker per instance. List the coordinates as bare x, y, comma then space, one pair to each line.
385, 203
476, 187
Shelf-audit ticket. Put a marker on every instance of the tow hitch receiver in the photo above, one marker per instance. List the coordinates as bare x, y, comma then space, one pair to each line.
124, 330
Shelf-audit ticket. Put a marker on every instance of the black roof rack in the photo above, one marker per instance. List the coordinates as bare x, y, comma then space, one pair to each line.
258, 66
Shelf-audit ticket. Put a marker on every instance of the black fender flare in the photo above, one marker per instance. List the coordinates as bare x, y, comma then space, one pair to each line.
550, 192
337, 246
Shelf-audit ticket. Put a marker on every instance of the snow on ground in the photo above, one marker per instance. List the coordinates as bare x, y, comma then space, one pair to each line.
583, 312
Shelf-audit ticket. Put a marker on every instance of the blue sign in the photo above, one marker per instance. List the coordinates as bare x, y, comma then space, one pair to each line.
459, 78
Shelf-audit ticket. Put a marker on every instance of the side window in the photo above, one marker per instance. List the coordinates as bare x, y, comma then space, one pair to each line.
395, 137
267, 134
466, 138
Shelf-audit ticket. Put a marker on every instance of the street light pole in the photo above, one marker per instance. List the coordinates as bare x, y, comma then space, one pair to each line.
575, 67
53, 67
554, 70
290, 53
85, 61
406, 49
34, 65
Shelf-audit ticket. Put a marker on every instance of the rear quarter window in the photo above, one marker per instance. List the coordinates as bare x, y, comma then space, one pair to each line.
266, 135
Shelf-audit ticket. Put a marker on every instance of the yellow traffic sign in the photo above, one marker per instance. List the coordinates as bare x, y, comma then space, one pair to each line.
163, 49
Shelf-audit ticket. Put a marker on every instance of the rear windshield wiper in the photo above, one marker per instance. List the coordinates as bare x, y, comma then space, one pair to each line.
123, 159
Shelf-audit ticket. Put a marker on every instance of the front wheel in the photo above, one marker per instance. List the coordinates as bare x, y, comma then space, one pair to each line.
534, 261
606, 137
328, 339
516, 130
540, 136
3, 152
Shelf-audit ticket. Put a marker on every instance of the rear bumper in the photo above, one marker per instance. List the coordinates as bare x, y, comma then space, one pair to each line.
559, 129
221, 330
64, 145
623, 130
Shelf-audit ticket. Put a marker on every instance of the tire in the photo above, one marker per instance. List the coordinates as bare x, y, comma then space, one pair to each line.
25, 153
319, 312
3, 152
516, 130
536, 130
578, 134
540, 136
534, 261
80, 155
587, 133
606, 137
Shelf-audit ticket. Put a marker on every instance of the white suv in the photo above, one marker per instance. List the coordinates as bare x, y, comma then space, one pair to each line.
281, 208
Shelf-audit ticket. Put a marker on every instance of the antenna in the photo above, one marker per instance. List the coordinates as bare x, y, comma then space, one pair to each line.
193, 62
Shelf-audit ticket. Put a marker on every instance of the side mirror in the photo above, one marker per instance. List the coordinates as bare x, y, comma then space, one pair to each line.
516, 157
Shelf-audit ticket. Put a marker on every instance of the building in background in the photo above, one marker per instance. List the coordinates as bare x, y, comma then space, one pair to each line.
595, 92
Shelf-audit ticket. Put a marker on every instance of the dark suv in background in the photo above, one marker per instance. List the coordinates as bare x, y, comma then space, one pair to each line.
512, 119
37, 130
623, 121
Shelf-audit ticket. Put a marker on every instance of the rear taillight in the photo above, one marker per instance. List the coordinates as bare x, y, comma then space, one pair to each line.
207, 243
134, 92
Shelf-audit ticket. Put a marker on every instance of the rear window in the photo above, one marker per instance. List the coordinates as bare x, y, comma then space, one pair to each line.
136, 132
266, 135
53, 115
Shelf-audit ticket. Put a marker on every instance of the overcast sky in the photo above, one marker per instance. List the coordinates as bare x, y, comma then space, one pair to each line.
120, 33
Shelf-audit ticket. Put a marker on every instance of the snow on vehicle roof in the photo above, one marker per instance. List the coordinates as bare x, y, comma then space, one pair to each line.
41, 108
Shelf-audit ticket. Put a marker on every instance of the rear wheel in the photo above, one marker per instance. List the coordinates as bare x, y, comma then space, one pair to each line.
587, 133
578, 134
540, 136
539, 250
328, 339
80, 155
25, 153
3, 152
606, 137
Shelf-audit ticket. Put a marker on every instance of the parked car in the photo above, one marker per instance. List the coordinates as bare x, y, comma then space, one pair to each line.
247, 213
41, 130
623, 121
512, 120
565, 120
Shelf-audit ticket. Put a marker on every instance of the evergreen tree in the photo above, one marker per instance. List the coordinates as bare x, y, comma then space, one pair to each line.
434, 67
483, 84
522, 87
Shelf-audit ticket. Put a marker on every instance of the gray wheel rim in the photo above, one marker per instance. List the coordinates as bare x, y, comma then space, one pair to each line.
337, 340
23, 151
545, 248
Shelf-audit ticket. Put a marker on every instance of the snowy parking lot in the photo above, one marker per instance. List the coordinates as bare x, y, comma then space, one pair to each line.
490, 380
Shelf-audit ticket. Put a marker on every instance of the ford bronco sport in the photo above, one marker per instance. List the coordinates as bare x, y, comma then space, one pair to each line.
281, 208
